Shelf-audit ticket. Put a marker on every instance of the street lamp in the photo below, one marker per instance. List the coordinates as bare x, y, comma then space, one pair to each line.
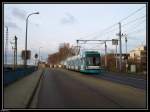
25, 60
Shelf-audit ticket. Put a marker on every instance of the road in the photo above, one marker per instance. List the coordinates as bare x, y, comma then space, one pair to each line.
67, 89
122, 79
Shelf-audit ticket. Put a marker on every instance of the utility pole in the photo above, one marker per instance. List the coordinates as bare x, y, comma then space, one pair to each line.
116, 57
120, 62
6, 46
105, 54
12, 54
15, 53
15, 50
126, 43
78, 48
14, 59
126, 55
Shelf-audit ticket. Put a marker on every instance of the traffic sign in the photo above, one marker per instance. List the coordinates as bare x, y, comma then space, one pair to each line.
36, 55
114, 42
28, 54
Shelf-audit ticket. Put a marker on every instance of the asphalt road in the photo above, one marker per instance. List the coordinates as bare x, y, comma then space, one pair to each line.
67, 89
122, 79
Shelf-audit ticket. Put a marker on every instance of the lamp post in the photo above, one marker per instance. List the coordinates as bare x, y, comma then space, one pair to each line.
25, 60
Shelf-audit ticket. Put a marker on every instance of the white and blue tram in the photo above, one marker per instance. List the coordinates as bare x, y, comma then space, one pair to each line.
87, 62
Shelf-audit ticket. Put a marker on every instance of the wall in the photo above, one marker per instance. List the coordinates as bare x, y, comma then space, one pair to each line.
10, 76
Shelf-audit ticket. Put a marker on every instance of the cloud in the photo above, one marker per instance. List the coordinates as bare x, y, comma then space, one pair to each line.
12, 25
19, 13
68, 19
37, 25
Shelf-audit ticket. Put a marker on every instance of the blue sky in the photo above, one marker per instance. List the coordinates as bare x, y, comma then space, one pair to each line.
58, 23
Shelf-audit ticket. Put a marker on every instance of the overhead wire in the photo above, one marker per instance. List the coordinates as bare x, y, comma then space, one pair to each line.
136, 31
106, 31
135, 26
99, 31
132, 13
123, 19
133, 21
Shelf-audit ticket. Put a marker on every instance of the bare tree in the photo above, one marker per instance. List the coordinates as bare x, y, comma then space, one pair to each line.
64, 52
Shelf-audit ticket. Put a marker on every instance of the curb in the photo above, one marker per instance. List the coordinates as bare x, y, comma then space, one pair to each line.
34, 91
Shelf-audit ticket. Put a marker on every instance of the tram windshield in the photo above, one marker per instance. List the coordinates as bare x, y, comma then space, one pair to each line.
93, 60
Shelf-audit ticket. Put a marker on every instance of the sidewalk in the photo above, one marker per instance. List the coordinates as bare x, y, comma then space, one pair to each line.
18, 94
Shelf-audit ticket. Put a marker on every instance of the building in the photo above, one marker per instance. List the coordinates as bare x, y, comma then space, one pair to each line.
113, 61
139, 56
124, 56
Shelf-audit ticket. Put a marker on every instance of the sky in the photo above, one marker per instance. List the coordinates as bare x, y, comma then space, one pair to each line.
59, 23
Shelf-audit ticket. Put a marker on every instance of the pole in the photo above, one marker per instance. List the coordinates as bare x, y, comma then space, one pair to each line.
6, 46
120, 62
16, 50
126, 44
14, 57
116, 57
12, 54
39, 54
25, 60
78, 48
126, 55
105, 54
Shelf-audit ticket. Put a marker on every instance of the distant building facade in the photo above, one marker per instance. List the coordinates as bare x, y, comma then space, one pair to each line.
124, 56
139, 55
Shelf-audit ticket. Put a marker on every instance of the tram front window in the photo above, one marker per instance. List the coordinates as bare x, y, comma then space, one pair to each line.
93, 61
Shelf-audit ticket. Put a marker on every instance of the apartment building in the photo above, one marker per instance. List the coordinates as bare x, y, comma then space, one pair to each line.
139, 55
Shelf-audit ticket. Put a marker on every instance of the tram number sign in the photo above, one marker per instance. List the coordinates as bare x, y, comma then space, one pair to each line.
114, 42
